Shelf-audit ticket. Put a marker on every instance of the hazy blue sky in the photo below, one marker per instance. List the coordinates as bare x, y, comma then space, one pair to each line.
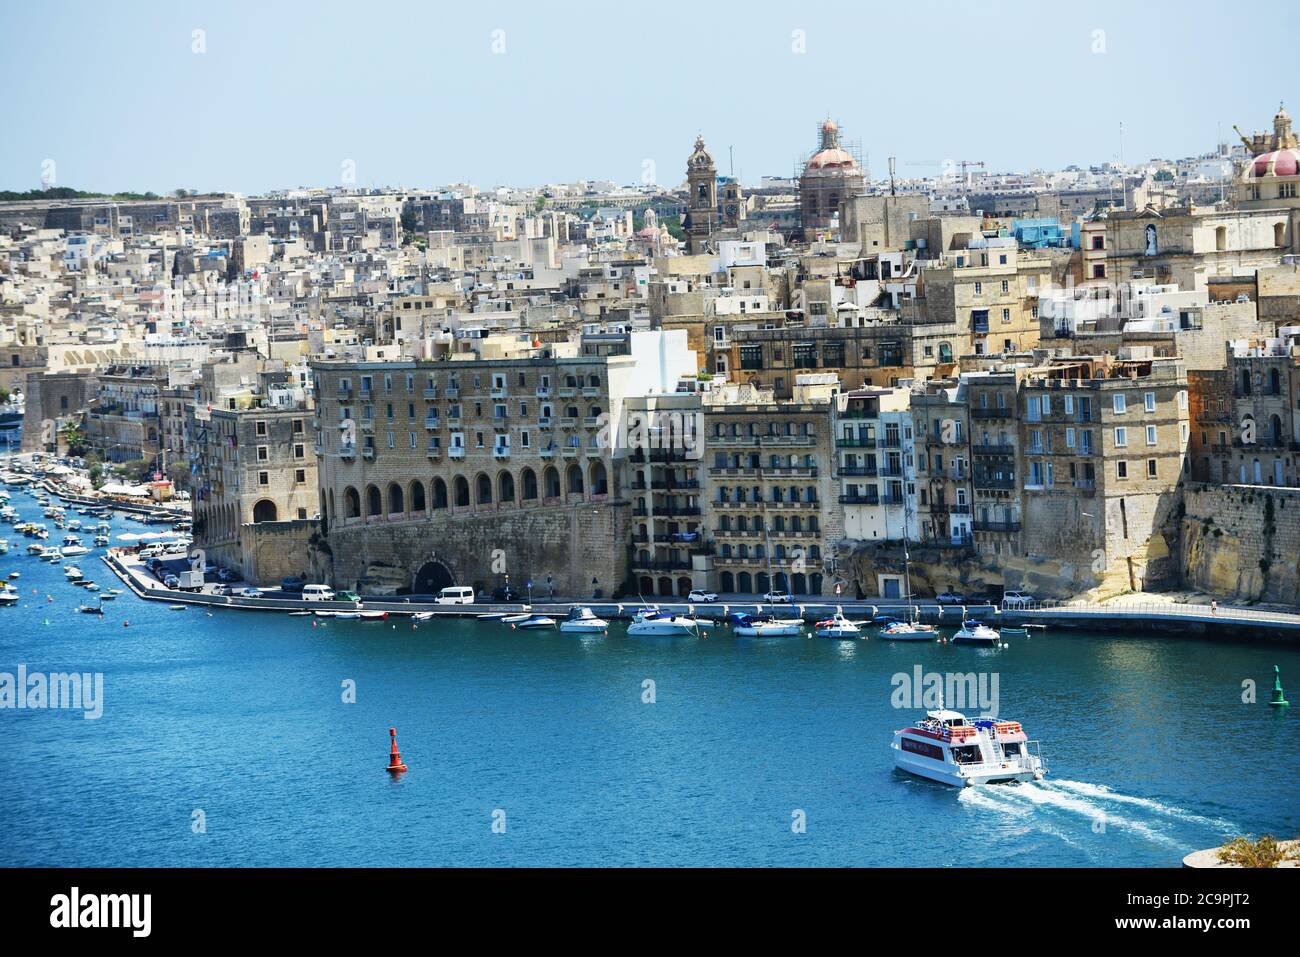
414, 93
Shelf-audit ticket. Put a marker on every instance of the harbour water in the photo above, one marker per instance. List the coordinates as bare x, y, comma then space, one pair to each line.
226, 740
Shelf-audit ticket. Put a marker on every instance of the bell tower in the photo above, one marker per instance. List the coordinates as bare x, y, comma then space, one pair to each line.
702, 206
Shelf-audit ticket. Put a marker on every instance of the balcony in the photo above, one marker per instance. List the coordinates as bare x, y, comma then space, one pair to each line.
547, 453
501, 451
567, 392
431, 393
568, 422
569, 452
544, 422
456, 452
995, 483
994, 449
543, 392
433, 452
432, 422
591, 421
850, 442
501, 393
854, 499
591, 392
348, 452
368, 452
868, 471
980, 526
453, 392
994, 413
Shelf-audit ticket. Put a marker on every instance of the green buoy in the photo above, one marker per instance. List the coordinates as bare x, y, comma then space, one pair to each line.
1279, 696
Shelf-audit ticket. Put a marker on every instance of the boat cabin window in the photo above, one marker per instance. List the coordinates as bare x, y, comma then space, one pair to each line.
1011, 750
955, 722
969, 754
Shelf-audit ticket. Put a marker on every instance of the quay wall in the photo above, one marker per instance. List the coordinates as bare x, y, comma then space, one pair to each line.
1242, 542
570, 544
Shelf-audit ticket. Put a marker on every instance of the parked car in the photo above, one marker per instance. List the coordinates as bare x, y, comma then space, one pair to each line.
1017, 599
346, 596
777, 598
950, 598
171, 581
226, 575
702, 596
250, 593
292, 584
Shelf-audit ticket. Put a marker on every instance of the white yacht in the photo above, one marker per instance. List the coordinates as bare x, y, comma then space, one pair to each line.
652, 621
944, 746
583, 621
975, 632
837, 626
72, 546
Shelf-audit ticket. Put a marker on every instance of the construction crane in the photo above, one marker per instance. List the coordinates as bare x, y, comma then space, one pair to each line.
969, 163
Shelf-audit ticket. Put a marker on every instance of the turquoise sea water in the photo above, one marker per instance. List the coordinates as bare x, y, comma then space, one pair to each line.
241, 716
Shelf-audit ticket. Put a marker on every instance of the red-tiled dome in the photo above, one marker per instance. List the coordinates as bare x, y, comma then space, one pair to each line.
1276, 163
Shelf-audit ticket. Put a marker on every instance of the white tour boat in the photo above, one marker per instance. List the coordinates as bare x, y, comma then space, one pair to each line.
582, 620
837, 626
975, 632
944, 746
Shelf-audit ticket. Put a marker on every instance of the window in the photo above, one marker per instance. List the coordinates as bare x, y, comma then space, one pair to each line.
1121, 437
1151, 435
1119, 403
299, 451
261, 428
1121, 470
1099, 271
263, 478
263, 453
1152, 469
299, 476
1149, 401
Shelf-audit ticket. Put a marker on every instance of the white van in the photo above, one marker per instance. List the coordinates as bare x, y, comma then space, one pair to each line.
455, 595
317, 593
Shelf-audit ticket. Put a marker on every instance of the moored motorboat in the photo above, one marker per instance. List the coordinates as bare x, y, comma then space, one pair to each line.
837, 626
975, 632
582, 620
422, 616
653, 622
8, 595
944, 746
536, 621
765, 626
909, 631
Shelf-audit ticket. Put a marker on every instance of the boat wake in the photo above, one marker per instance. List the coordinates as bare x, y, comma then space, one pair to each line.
1069, 810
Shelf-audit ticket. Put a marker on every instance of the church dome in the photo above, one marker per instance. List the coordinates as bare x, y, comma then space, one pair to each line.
1283, 162
830, 157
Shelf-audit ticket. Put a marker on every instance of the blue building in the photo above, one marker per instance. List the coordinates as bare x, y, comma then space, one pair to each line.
1038, 233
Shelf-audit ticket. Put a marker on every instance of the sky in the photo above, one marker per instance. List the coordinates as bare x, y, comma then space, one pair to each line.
252, 96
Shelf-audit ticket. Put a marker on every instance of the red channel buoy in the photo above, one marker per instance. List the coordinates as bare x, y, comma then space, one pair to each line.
395, 765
